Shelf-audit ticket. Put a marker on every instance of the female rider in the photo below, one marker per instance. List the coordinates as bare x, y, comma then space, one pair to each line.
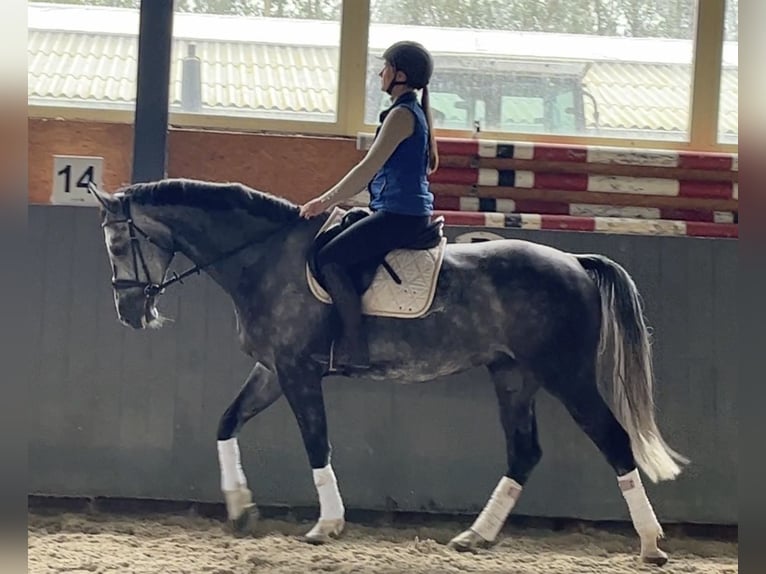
396, 170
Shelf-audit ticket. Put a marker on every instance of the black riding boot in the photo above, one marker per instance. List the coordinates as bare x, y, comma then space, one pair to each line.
350, 349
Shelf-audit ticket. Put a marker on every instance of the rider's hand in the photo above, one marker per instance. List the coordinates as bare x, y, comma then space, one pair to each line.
314, 208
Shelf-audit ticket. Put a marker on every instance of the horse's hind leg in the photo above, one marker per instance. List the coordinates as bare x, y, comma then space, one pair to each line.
517, 415
580, 396
260, 390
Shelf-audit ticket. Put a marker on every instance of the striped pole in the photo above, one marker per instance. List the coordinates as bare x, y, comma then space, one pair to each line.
616, 225
491, 204
587, 154
585, 182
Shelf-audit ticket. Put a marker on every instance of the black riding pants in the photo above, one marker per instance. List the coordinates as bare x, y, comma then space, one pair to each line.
371, 237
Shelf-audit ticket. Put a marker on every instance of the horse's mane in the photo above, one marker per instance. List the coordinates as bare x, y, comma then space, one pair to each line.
213, 196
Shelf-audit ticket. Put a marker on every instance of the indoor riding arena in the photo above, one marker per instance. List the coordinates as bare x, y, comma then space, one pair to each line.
609, 131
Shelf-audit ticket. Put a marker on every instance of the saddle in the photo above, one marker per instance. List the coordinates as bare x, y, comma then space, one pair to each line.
398, 284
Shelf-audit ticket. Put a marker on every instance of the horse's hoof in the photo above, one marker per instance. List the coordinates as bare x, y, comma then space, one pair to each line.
657, 557
245, 523
242, 512
468, 541
324, 531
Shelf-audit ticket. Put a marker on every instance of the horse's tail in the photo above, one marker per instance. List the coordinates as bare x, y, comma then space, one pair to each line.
622, 323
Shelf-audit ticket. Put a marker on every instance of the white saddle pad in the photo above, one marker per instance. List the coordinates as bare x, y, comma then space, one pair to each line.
418, 270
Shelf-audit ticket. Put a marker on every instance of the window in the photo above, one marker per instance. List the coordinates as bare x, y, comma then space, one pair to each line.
728, 107
82, 54
274, 59
597, 71
621, 70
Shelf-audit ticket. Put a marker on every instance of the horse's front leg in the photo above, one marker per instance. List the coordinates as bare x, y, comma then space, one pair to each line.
303, 390
260, 390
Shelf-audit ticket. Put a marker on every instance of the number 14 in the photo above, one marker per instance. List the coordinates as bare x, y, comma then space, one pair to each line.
82, 182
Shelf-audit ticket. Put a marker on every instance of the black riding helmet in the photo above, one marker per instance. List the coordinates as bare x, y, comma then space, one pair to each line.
412, 59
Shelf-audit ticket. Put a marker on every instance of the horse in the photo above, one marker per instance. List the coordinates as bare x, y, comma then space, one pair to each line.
558, 319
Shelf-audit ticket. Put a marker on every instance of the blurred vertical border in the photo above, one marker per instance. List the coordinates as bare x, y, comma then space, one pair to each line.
14, 275
752, 281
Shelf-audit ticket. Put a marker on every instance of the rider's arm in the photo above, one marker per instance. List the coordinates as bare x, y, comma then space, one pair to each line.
398, 126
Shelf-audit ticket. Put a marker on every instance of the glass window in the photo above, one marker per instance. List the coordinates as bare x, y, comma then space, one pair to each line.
275, 59
613, 68
728, 108
71, 66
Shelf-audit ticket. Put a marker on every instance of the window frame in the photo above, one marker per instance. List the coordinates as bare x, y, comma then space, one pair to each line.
352, 93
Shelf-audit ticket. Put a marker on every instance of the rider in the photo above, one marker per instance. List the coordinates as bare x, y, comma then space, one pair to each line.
396, 170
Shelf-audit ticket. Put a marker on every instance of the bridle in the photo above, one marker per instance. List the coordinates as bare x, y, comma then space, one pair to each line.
153, 288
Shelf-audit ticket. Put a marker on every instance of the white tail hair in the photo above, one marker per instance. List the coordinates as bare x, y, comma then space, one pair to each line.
632, 380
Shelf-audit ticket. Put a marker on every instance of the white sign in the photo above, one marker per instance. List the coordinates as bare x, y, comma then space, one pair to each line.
71, 176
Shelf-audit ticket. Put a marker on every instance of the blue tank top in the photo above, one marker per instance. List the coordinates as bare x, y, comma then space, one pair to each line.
401, 185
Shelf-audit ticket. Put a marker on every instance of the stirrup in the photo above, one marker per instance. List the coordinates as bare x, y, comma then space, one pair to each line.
327, 362
351, 366
332, 368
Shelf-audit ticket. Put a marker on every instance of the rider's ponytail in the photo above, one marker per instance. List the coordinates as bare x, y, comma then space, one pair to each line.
433, 154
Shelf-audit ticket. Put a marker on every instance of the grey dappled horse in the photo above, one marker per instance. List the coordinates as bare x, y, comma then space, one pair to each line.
558, 319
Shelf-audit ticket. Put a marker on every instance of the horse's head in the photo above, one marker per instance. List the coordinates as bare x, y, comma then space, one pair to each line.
140, 250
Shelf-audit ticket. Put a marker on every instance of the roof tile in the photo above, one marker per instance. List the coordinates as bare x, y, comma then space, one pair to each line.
91, 68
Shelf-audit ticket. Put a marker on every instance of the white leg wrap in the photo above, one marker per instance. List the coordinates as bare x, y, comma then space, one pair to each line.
232, 475
330, 502
641, 512
489, 523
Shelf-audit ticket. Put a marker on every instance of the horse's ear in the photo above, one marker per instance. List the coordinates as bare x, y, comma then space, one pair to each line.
106, 200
